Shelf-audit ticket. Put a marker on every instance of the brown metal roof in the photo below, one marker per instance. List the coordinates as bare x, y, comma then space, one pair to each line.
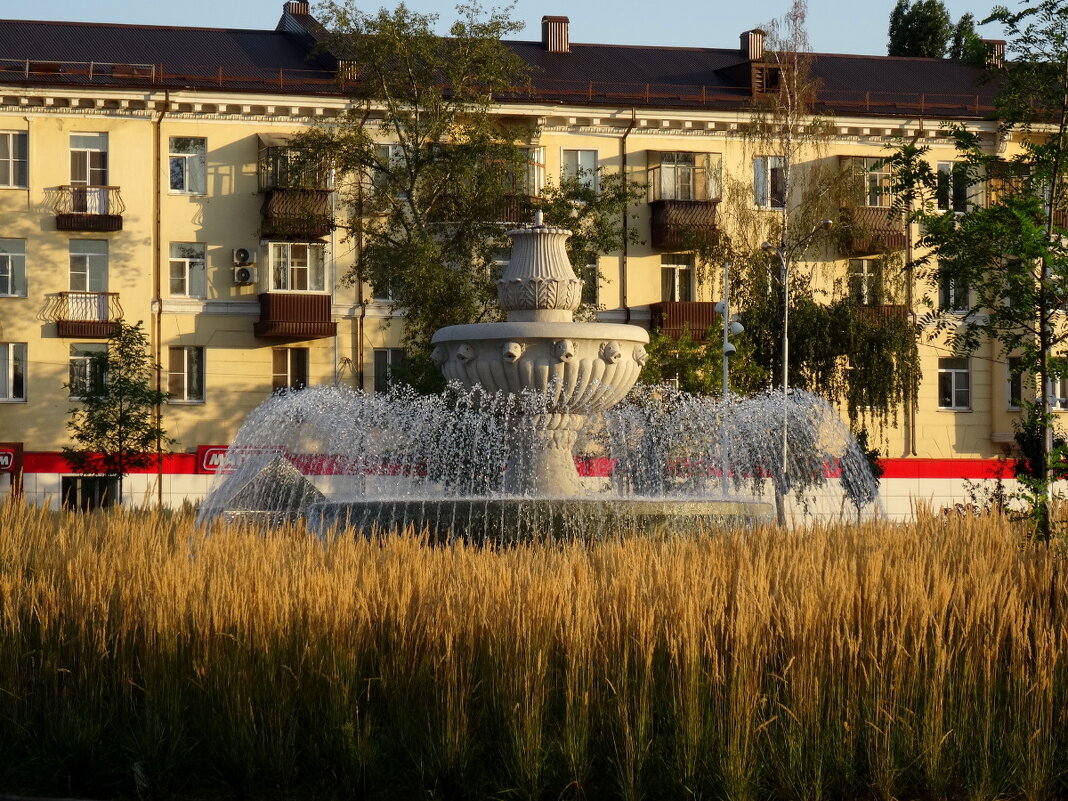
73, 53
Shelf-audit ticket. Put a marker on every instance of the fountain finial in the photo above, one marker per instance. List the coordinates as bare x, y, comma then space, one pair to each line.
539, 284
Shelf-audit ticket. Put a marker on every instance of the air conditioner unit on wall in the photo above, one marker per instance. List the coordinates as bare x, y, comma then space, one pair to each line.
244, 257
245, 275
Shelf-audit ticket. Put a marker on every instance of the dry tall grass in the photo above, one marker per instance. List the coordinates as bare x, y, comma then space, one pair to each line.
874, 661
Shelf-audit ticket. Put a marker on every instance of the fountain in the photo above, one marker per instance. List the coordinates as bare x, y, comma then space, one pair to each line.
494, 458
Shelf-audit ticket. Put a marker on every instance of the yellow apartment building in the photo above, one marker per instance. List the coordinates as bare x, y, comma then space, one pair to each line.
144, 176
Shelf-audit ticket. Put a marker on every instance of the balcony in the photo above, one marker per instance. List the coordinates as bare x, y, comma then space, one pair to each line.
671, 318
682, 224
294, 315
84, 315
870, 230
87, 208
877, 314
296, 214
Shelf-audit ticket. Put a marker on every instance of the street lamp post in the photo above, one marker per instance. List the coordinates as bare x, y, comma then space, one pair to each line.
784, 274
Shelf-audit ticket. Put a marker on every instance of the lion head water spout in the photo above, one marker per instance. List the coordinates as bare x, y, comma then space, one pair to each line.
570, 370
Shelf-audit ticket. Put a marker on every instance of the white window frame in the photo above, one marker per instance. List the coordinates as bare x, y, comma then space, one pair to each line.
88, 265
878, 180
1058, 393
13, 362
14, 170
287, 273
954, 384
13, 268
89, 170
952, 296
185, 374
581, 164
956, 198
187, 270
863, 276
764, 169
190, 166
681, 266
82, 355
286, 376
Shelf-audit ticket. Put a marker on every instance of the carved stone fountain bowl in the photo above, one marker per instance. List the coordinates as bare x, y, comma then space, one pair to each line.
582, 368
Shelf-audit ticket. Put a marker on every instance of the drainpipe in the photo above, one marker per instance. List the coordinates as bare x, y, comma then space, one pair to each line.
157, 299
626, 221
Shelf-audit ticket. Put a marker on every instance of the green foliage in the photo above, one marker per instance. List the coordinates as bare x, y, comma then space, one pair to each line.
113, 429
920, 29
697, 365
966, 44
429, 211
1010, 251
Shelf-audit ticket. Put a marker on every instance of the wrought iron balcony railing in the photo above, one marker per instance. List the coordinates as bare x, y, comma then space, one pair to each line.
87, 208
84, 315
296, 214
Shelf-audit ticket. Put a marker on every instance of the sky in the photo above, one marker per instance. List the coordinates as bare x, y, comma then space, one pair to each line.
834, 26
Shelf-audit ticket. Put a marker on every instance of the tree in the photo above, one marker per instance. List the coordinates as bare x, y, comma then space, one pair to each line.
829, 334
920, 29
114, 428
966, 44
433, 176
1009, 249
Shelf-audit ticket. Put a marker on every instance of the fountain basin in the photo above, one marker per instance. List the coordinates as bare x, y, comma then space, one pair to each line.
579, 368
501, 520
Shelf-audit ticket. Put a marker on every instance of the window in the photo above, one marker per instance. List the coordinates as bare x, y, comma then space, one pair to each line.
86, 493
13, 161
13, 268
89, 266
676, 277
185, 379
387, 361
187, 270
685, 176
591, 283
952, 295
1058, 393
579, 164
188, 165
874, 178
88, 361
89, 173
297, 267
952, 193
865, 284
290, 368
954, 384
1016, 382
769, 182
12, 371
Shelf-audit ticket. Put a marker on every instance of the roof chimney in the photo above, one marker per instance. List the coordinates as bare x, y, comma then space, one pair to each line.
752, 44
296, 7
554, 34
995, 53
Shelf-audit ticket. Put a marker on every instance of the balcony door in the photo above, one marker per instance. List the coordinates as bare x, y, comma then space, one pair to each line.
89, 173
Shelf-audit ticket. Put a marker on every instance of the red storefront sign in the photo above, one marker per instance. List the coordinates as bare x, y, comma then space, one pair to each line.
210, 458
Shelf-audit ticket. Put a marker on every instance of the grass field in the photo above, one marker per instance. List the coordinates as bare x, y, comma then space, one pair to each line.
141, 657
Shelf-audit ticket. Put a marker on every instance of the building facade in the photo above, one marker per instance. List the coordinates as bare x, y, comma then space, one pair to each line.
145, 176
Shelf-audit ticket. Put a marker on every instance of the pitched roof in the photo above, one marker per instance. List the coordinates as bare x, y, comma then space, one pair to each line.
284, 60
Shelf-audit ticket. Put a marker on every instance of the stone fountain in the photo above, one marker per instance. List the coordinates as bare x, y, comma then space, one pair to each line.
554, 374
572, 370
494, 458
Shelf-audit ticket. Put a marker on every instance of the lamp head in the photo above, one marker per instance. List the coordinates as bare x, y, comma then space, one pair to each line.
767, 247
826, 224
